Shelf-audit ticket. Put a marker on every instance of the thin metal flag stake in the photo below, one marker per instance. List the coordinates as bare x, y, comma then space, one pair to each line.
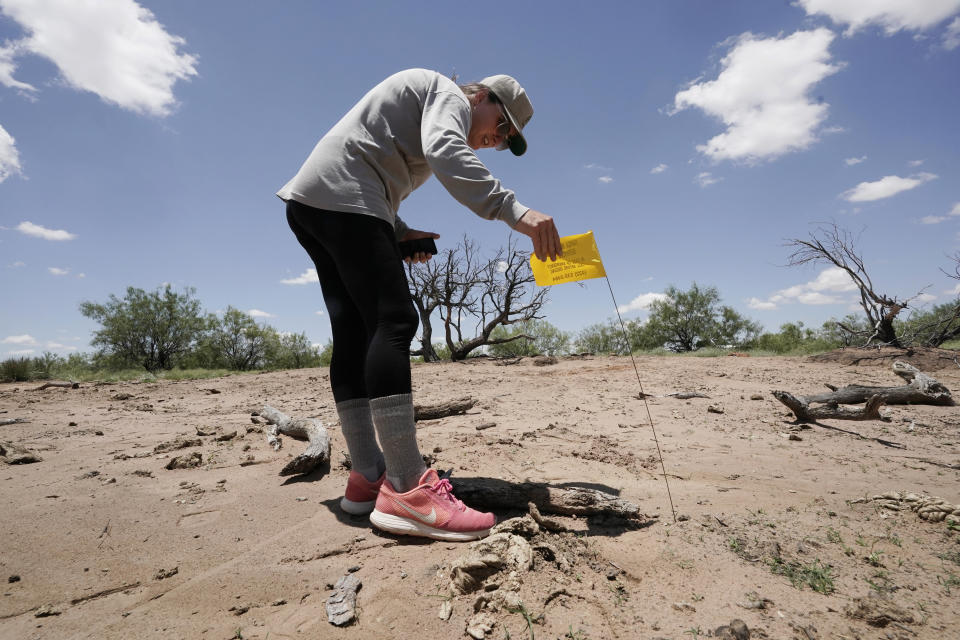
581, 261
643, 396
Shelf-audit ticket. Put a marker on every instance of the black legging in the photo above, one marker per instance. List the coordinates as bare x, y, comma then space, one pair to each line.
365, 290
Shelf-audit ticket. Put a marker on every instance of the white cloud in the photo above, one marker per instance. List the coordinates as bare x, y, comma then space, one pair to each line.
932, 219
886, 187
113, 48
916, 163
502, 266
257, 313
25, 339
57, 271
761, 95
660, 168
21, 352
18, 264
605, 179
951, 37
307, 277
892, 15
831, 280
643, 301
8, 66
956, 209
852, 161
38, 231
9, 156
925, 297
598, 167
953, 292
706, 179
60, 347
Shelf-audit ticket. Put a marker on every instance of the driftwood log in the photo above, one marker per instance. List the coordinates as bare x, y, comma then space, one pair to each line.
492, 493
444, 409
920, 389
318, 451
5, 421
64, 385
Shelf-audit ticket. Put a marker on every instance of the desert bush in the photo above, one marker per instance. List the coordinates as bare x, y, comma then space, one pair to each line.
692, 319
152, 330
16, 369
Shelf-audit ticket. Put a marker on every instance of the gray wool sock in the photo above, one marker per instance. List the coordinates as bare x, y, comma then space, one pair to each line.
356, 424
393, 417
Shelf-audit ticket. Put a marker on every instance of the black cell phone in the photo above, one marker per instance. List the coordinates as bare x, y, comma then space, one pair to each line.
420, 245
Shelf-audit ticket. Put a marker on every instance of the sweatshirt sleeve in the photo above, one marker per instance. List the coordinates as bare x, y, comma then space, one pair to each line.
400, 228
443, 130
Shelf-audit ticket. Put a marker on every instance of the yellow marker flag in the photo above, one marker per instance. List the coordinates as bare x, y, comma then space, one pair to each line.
580, 261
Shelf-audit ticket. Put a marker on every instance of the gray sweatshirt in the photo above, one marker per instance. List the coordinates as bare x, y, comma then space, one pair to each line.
411, 125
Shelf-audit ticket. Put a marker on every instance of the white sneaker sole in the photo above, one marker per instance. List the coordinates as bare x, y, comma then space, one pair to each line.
409, 527
357, 508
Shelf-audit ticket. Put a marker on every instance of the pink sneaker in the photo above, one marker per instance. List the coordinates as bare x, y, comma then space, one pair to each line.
429, 510
361, 494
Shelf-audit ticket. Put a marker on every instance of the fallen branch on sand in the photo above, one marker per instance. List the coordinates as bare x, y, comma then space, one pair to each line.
921, 389
5, 421
571, 501
318, 451
444, 409
65, 385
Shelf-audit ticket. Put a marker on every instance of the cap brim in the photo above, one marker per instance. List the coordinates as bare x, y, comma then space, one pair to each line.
517, 143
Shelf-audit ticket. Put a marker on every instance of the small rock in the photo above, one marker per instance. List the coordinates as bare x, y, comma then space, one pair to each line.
13, 578
486, 425
446, 610
226, 436
277, 603
163, 574
186, 462
544, 361
684, 606
480, 625
353, 569
98, 432
714, 408
122, 396
736, 630
342, 603
239, 609
205, 431
301, 499
756, 396
878, 611
71, 424
46, 610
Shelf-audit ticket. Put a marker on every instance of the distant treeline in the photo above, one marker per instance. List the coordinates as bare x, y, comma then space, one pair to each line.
167, 331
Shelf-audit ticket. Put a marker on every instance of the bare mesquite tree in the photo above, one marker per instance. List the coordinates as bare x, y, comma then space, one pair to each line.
836, 246
940, 324
474, 295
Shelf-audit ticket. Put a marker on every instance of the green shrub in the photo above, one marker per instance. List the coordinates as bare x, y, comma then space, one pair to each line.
16, 369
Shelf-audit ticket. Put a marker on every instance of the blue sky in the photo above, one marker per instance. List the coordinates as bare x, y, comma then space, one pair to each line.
141, 144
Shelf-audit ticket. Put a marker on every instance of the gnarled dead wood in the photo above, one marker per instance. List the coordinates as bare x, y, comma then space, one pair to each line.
317, 453
802, 409
444, 409
65, 385
500, 494
921, 389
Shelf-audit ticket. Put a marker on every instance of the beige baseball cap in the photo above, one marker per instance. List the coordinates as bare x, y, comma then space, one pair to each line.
517, 107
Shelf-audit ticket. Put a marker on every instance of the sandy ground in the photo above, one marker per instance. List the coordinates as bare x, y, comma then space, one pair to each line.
103, 537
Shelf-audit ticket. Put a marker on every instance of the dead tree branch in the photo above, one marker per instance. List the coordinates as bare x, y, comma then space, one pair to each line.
443, 409
492, 493
921, 389
64, 385
318, 451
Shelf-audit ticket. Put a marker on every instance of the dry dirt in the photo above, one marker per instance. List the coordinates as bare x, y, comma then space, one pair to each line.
100, 540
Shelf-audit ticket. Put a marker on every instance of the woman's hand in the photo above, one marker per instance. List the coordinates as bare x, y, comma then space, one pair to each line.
415, 234
541, 229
